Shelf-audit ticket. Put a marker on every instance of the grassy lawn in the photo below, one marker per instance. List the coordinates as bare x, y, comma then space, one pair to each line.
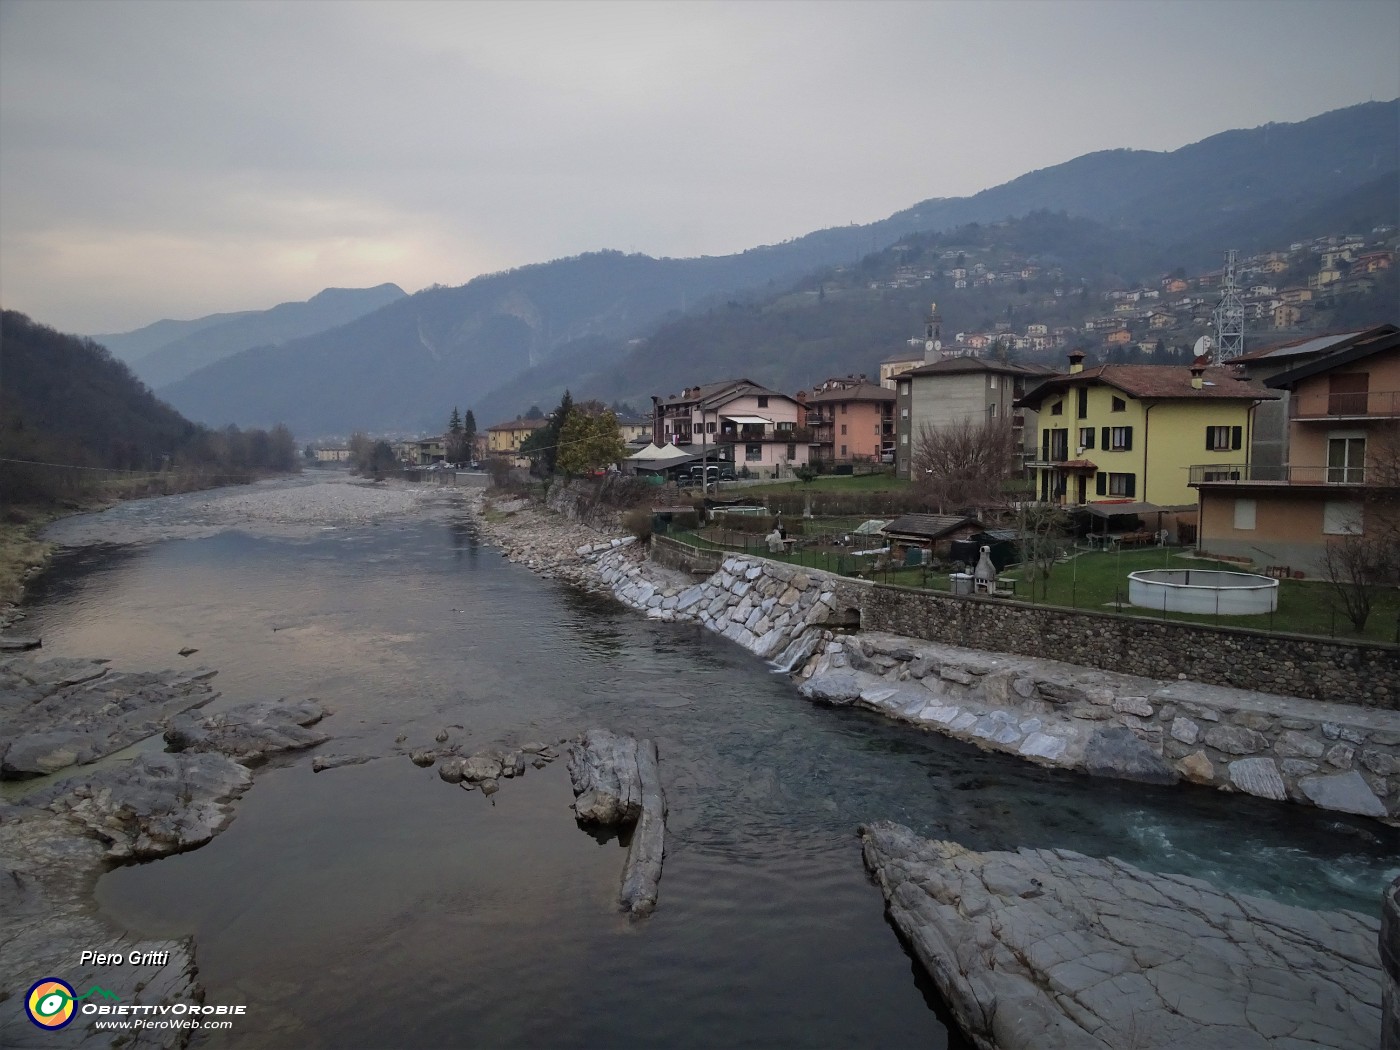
1095, 580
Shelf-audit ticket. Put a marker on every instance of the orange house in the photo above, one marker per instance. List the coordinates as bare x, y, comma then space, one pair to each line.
851, 419
1341, 476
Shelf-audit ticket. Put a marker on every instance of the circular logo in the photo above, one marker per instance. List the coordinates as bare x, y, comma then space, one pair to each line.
49, 1003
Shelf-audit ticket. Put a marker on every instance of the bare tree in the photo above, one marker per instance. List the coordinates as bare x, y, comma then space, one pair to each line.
1043, 534
1356, 567
964, 465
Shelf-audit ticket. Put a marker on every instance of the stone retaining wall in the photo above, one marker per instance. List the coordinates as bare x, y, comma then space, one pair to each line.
1333, 756
1390, 967
1360, 673
684, 558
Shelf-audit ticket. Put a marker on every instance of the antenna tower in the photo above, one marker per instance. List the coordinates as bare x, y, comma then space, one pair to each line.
1229, 315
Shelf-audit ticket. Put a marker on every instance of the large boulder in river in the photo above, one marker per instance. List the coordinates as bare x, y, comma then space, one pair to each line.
1051, 950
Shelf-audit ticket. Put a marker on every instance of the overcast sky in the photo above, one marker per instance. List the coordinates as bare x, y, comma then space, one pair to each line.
177, 159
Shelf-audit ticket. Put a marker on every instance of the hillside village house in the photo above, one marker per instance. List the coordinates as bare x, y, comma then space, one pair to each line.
953, 391
736, 420
851, 419
1132, 432
1336, 473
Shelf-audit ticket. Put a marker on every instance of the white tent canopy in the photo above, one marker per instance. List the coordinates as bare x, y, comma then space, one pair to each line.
664, 453
750, 420
650, 452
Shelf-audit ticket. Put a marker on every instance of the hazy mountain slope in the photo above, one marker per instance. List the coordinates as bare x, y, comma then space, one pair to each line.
403, 366
129, 346
192, 351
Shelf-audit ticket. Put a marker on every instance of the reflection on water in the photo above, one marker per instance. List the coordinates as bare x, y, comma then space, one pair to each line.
375, 905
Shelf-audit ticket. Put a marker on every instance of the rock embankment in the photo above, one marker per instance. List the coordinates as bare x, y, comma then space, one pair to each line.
617, 783
1338, 757
1052, 950
63, 712
1333, 756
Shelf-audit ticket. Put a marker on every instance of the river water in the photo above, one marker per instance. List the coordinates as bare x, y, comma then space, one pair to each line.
376, 906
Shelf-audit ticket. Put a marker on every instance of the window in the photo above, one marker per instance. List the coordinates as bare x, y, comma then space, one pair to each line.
792, 452
784, 425
762, 402
1244, 514
1115, 484
1341, 518
904, 388
1057, 409
1086, 437
992, 411
1346, 460
904, 439
903, 413
992, 382
843, 408
843, 450
1117, 439
1119, 405
843, 429
753, 453
1082, 396
1346, 393
711, 426
1224, 439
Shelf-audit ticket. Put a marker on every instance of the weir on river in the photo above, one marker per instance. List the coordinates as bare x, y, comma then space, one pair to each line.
375, 905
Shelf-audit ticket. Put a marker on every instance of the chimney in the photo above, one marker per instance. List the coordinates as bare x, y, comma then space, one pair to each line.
1198, 370
1076, 361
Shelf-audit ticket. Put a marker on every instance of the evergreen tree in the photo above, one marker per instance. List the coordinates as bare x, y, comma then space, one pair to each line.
469, 435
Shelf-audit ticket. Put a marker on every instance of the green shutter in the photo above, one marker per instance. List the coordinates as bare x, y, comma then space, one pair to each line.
1101, 484
1210, 433
1236, 437
1130, 490
1127, 439
1105, 443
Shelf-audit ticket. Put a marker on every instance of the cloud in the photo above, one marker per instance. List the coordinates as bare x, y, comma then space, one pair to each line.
176, 159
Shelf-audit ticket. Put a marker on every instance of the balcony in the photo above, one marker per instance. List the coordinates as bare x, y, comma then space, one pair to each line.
1359, 404
1274, 476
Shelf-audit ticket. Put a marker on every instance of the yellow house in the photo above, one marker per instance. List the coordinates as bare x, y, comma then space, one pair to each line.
506, 438
1130, 433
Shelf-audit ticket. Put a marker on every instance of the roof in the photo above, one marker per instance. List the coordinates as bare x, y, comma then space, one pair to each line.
1375, 341
911, 355
1311, 344
520, 424
1155, 383
930, 526
861, 391
714, 395
1109, 509
965, 365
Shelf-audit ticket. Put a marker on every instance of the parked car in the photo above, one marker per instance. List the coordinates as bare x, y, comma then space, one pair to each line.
713, 471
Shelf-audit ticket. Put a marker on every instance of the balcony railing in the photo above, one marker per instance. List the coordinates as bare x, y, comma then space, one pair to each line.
1360, 404
1256, 474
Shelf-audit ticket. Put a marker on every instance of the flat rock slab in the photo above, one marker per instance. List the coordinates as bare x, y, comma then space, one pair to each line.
55, 845
1051, 950
63, 712
250, 733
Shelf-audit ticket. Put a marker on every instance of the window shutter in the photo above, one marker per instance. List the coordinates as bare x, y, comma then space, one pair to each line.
1105, 444
1127, 439
1130, 489
1236, 437
1101, 484
1088, 437
1210, 439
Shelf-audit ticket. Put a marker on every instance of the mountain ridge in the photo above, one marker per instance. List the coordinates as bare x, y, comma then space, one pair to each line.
391, 367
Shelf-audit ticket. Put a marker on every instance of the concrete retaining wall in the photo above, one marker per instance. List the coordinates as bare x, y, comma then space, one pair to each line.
1365, 674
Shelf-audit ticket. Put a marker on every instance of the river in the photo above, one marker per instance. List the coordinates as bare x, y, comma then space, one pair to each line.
376, 905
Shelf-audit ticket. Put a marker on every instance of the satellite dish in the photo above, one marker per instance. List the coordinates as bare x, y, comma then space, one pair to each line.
1202, 348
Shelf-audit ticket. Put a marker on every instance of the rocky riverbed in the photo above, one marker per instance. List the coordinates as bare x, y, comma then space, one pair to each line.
57, 841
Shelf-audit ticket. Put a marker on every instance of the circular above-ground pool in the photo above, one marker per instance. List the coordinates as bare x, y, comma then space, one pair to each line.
1207, 591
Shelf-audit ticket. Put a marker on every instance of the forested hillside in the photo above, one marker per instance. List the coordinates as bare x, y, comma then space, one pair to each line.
67, 402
